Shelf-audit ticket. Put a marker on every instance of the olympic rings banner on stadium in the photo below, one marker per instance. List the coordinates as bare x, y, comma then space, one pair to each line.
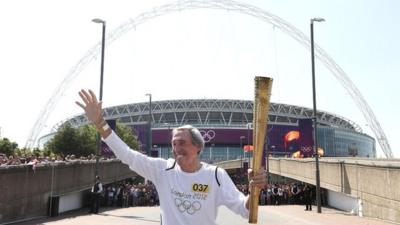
208, 135
306, 137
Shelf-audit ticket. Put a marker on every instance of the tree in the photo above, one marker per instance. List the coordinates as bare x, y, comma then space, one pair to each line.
82, 141
126, 134
7, 147
67, 141
88, 139
23, 152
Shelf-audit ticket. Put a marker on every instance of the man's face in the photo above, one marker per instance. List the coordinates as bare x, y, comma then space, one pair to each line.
183, 149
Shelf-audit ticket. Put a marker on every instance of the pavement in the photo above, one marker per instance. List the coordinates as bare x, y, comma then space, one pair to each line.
267, 215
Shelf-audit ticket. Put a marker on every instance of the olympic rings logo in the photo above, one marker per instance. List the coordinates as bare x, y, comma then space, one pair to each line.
187, 206
207, 135
306, 149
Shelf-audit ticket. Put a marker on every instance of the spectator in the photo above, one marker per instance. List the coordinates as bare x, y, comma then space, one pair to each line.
96, 191
307, 193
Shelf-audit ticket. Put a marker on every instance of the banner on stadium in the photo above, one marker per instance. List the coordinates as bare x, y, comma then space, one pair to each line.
306, 137
291, 141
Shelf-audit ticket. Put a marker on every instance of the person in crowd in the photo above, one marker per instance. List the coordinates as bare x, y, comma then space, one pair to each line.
307, 194
3, 159
190, 191
110, 195
295, 190
275, 195
263, 197
96, 194
125, 195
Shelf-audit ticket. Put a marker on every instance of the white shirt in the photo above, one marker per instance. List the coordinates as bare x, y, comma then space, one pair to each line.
185, 198
100, 188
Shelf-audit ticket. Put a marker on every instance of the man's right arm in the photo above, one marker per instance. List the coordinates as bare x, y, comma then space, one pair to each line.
145, 166
136, 161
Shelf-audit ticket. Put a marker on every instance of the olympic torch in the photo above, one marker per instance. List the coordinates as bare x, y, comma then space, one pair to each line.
262, 93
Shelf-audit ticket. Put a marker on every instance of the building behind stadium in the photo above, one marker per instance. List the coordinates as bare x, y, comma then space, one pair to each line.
226, 126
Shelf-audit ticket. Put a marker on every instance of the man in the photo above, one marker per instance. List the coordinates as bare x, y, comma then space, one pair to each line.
307, 193
190, 191
96, 191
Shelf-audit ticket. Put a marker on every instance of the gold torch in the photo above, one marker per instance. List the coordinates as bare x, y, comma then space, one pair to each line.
262, 93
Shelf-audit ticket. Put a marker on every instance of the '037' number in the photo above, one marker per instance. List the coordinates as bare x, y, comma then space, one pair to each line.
200, 187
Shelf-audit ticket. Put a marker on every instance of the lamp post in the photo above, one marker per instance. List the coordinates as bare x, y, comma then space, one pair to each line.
317, 178
268, 153
101, 87
149, 136
248, 140
168, 139
242, 173
211, 149
241, 152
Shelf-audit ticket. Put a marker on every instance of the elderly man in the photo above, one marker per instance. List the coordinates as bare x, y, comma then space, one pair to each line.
190, 191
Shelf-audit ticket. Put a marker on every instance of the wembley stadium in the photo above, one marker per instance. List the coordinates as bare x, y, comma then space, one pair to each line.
226, 126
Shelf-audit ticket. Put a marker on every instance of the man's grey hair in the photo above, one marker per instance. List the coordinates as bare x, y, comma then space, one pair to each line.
197, 138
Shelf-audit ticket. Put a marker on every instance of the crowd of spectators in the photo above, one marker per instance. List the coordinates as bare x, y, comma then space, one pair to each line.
283, 194
130, 195
127, 194
31, 159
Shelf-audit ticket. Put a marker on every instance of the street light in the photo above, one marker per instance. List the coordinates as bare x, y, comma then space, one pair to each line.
149, 142
168, 139
241, 175
249, 125
101, 87
241, 152
315, 147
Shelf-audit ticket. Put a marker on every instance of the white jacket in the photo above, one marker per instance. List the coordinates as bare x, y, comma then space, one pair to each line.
185, 198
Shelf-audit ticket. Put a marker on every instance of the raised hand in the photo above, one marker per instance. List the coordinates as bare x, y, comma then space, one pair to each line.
92, 107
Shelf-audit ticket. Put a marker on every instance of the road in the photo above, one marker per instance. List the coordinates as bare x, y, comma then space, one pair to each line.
268, 215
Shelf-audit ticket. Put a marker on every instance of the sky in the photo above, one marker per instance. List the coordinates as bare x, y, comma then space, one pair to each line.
196, 53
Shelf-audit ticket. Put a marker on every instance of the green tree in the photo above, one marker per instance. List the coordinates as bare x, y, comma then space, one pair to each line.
82, 141
127, 135
37, 152
67, 141
7, 147
22, 152
88, 140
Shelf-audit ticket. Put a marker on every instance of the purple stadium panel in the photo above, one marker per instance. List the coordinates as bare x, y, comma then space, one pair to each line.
223, 136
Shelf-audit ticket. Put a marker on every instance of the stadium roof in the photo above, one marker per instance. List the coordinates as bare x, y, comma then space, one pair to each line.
211, 113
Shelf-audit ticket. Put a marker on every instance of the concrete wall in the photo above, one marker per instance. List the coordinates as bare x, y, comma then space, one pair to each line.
25, 193
71, 201
344, 202
375, 182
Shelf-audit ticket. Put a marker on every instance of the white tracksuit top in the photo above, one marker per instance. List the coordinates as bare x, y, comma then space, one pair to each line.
185, 198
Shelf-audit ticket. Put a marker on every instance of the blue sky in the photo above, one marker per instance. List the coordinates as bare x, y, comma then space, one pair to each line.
197, 54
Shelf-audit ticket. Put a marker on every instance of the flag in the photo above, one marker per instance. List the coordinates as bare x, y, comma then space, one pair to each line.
248, 148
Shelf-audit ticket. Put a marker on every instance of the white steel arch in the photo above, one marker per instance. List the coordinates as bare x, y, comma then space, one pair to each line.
232, 6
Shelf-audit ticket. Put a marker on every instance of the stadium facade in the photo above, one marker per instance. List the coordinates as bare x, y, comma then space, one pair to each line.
226, 126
